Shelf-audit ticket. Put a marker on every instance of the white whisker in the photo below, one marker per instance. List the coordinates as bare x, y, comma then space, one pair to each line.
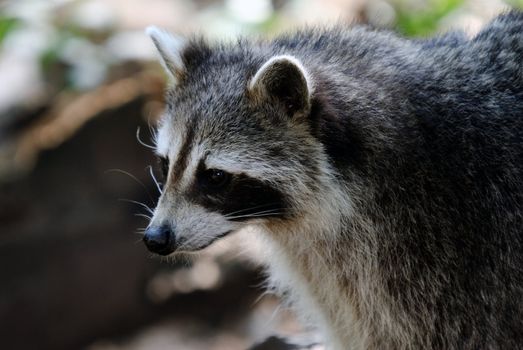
143, 216
141, 142
247, 209
257, 214
154, 179
132, 177
137, 203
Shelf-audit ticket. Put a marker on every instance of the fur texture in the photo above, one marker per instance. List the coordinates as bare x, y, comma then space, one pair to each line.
384, 174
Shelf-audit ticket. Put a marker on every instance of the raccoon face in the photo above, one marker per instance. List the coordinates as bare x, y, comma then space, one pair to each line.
233, 145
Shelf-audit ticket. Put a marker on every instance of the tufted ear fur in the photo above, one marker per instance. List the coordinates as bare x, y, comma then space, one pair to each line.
284, 79
170, 48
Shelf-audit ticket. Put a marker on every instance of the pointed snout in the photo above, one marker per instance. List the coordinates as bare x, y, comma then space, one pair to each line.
160, 239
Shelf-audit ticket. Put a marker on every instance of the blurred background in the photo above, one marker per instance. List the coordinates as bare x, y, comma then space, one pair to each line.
78, 79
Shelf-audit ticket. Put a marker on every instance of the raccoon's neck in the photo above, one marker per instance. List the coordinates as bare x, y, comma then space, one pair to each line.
309, 262
328, 263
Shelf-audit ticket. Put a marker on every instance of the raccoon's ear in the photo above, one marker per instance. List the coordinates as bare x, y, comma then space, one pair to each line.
285, 79
170, 48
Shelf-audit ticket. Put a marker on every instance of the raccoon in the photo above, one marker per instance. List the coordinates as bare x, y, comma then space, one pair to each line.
384, 176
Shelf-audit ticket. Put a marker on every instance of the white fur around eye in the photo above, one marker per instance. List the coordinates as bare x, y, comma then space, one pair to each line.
162, 141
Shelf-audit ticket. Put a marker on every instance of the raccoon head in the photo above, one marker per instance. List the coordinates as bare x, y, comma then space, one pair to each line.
235, 143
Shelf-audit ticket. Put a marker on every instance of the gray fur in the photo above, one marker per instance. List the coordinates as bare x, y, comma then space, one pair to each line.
401, 177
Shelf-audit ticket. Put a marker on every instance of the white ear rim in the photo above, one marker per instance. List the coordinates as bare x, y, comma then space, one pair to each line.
277, 59
169, 47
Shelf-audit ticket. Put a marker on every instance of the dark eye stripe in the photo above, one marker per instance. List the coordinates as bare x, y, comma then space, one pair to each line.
244, 198
213, 179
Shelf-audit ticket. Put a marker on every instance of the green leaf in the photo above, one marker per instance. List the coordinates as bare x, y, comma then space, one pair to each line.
7, 24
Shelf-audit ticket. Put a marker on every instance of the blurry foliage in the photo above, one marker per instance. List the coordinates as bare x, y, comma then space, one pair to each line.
75, 57
516, 3
52, 66
425, 21
51, 59
7, 24
423, 18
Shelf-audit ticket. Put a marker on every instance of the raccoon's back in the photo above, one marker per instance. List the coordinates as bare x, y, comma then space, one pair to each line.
464, 123
469, 105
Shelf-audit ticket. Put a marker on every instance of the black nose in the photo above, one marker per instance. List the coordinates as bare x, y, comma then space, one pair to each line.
159, 239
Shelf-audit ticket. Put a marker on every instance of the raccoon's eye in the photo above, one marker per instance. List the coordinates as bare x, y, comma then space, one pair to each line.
164, 166
215, 178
